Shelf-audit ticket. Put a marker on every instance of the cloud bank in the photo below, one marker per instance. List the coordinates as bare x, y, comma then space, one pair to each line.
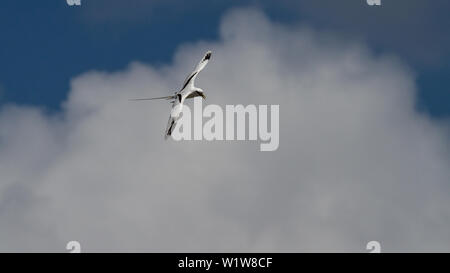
355, 163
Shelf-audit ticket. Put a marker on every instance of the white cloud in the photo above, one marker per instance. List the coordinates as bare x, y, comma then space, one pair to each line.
355, 163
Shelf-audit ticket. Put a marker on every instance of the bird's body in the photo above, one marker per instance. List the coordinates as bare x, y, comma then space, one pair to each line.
187, 91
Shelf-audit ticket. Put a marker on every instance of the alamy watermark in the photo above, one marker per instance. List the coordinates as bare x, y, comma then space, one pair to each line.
374, 2
241, 123
374, 247
78, 2
73, 2
75, 247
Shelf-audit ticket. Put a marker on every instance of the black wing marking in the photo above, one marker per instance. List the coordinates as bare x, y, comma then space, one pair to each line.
188, 80
207, 56
169, 132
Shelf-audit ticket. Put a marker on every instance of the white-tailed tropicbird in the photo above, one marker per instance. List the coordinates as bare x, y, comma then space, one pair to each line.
188, 91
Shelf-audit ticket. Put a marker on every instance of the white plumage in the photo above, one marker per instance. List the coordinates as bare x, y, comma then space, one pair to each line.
187, 91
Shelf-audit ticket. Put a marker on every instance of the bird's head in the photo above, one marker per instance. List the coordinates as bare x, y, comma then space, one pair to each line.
201, 93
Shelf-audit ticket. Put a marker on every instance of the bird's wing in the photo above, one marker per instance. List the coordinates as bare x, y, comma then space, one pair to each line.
158, 98
170, 126
175, 115
191, 77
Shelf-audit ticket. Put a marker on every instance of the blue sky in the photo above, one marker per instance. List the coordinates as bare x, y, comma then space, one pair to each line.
46, 43
355, 161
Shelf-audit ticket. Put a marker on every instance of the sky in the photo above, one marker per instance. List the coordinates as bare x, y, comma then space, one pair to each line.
364, 135
45, 44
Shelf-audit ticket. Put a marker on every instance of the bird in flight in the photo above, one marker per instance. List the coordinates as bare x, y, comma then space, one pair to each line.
187, 91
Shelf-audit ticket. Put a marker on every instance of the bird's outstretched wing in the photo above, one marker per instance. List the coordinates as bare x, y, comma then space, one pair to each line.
170, 126
175, 115
158, 98
191, 77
